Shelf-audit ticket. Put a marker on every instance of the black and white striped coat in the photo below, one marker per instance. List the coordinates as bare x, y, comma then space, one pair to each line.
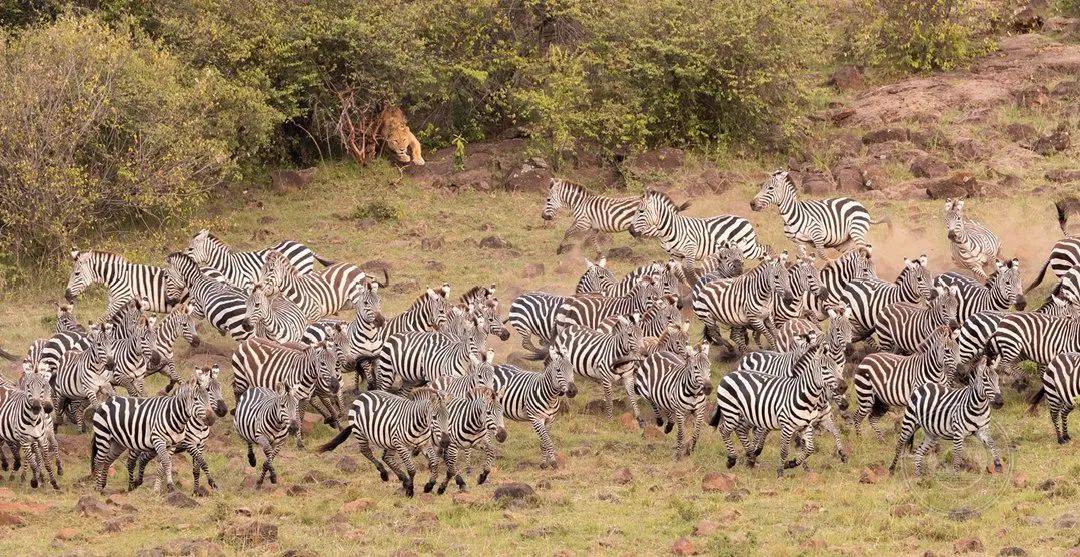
676, 385
1034, 337
591, 213
1002, 289
1064, 255
223, 306
973, 245
590, 310
178, 322
837, 339
481, 373
123, 280
597, 278
472, 420
953, 415
884, 380
398, 426
1060, 387
533, 314
317, 294
82, 378
155, 424
853, 265
25, 424
869, 298
264, 418
743, 302
427, 313
274, 316
358, 341
689, 237
804, 282
132, 356
668, 276
976, 330
418, 357
534, 397
825, 223
904, 327
755, 401
602, 355
241, 269
725, 262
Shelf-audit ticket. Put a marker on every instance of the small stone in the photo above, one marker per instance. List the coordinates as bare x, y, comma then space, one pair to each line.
628, 422
621, 253
117, 524
494, 242
846, 77
963, 513
705, 527
1012, 551
1019, 480
532, 270
882, 135
1048, 485
967, 545
623, 476
872, 474
513, 491
251, 533
432, 244
683, 546
347, 464
1020, 132
928, 167
1063, 176
356, 505
90, 506
718, 481
180, 500
463, 498
905, 509
295, 490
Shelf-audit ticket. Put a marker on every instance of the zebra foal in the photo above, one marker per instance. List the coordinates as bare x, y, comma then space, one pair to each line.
265, 417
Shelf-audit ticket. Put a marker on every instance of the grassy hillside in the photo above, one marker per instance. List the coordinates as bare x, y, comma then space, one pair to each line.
618, 492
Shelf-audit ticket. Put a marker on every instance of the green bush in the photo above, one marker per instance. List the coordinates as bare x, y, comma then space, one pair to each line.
379, 211
101, 128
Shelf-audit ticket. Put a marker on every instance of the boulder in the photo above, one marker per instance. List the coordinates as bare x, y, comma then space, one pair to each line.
477, 179
717, 481
623, 476
432, 243
969, 149
1018, 132
1063, 176
529, 177
1025, 19
180, 500
347, 464
90, 506
960, 184
849, 178
495, 242
1032, 97
846, 77
532, 270
881, 135
513, 491
1057, 141
817, 183
928, 166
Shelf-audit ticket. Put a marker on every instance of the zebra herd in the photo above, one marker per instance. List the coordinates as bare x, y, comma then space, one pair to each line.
933, 346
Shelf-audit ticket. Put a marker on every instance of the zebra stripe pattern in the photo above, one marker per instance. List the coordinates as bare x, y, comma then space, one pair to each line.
274, 316
869, 298
825, 223
418, 357
676, 386
597, 279
25, 425
223, 306
591, 213
904, 327
725, 262
590, 310
317, 294
1032, 336
601, 355
1064, 255
973, 245
976, 330
534, 397
689, 237
533, 314
1060, 386
953, 415
132, 356
742, 302
178, 322
481, 373
241, 269
472, 420
1002, 289
265, 417
82, 378
123, 280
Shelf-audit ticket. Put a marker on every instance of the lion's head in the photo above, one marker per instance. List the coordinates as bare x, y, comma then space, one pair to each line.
394, 132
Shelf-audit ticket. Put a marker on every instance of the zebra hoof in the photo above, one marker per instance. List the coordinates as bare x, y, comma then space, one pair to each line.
409, 490
442, 489
429, 486
482, 478
843, 456
251, 459
211, 482
384, 475
55, 485
200, 491
997, 466
791, 464
33, 483
780, 472
731, 461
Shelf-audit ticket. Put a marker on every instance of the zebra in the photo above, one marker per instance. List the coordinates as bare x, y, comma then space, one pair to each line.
317, 294
427, 313
1060, 386
311, 370
1002, 290
725, 262
359, 340
951, 414
265, 417
242, 268
133, 355
676, 386
155, 424
600, 355
837, 339
592, 213
123, 281
25, 423
976, 330
66, 321
473, 419
194, 442
973, 245
481, 373
534, 397
223, 306
488, 311
689, 237
597, 278
745, 301
533, 314
418, 357
589, 310
869, 297
399, 426
1068, 285
904, 327
826, 223
1032, 336
667, 276
1064, 255
804, 280
127, 317
748, 400
83, 378
883, 380
274, 316
176, 323
853, 265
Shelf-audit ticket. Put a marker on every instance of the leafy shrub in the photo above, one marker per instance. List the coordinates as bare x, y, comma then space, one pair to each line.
102, 128
379, 211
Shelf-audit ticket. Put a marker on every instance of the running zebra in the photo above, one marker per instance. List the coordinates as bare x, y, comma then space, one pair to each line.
472, 420
748, 401
676, 385
155, 424
178, 322
1063, 256
597, 279
311, 370
274, 316
825, 223
667, 276
589, 310
265, 417
868, 298
1002, 290
427, 313
853, 265
25, 425
592, 213
533, 314
904, 327
133, 355
953, 415
419, 357
83, 378
690, 237
399, 426
883, 380
725, 262
317, 294
1060, 386
481, 373
1034, 337
123, 280
223, 306
243, 268
600, 355
745, 301
534, 397
358, 341
976, 330
804, 281
973, 245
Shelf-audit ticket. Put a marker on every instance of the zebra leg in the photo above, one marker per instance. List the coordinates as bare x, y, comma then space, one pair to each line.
299, 433
742, 432
830, 425
100, 466
984, 435
547, 446
387, 458
609, 397
958, 457
740, 339
699, 424
1065, 423
808, 446
920, 453
406, 459
54, 449
489, 461
365, 449
16, 458
32, 463
631, 399
873, 421
198, 464
41, 450
578, 227
251, 455
165, 460
680, 434
4, 461
785, 440
132, 466
270, 451
764, 327
433, 467
79, 414
144, 458
1053, 410
452, 469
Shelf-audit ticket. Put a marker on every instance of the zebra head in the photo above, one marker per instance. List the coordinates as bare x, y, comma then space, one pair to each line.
257, 306
647, 291
1060, 304
327, 373
213, 391
193, 396
205, 248
777, 274
367, 305
804, 277
1007, 283
675, 338
433, 406
942, 349
184, 317
37, 384
65, 319
491, 406
773, 190
954, 218
287, 406
597, 278
275, 268
146, 338
700, 367
987, 383
456, 317
560, 371
180, 271
628, 334
808, 364
482, 370
83, 274
554, 199
493, 324
435, 306
915, 278
654, 209
944, 305
841, 331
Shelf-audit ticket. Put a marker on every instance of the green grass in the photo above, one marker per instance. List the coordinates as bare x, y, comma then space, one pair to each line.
580, 507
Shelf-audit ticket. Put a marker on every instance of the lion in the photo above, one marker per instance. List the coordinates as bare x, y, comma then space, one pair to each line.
393, 131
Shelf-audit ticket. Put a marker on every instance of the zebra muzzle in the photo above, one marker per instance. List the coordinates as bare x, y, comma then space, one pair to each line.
504, 335
500, 434
1021, 302
195, 341
571, 391
69, 296
221, 409
997, 402
444, 441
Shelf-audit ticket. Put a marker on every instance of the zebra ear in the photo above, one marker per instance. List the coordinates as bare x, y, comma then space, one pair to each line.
923, 260
1014, 263
445, 289
602, 262
490, 356
75, 253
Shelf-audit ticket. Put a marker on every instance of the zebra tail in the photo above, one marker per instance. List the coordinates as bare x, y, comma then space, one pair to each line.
536, 353
1036, 399
324, 262
714, 421
1039, 279
337, 440
8, 356
683, 207
884, 220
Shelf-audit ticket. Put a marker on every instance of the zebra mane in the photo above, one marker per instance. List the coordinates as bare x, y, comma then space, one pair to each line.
477, 293
103, 256
662, 196
787, 179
